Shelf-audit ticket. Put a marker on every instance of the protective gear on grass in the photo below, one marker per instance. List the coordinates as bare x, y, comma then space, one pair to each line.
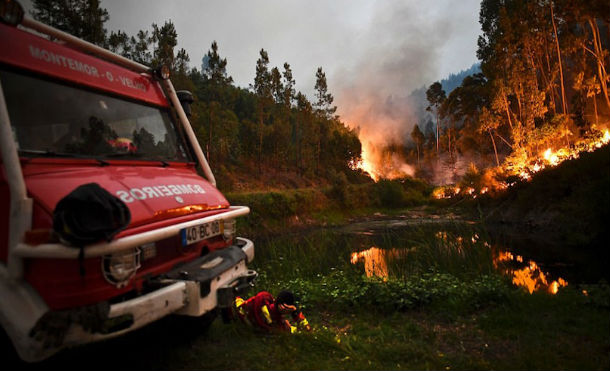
267, 313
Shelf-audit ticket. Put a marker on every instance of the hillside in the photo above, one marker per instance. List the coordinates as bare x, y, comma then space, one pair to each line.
571, 201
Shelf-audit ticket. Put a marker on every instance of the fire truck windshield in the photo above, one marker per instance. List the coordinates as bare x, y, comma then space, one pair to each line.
51, 119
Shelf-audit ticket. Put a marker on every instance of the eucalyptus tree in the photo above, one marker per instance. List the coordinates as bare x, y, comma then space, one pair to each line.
418, 138
435, 96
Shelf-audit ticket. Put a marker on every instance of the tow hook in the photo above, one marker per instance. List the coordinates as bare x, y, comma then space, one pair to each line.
226, 294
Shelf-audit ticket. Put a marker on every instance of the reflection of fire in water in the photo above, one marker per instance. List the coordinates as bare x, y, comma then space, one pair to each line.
375, 263
530, 276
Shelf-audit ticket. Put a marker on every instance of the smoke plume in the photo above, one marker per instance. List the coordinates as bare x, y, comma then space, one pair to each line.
402, 53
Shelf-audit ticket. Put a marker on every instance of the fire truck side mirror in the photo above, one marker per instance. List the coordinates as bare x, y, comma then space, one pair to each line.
186, 99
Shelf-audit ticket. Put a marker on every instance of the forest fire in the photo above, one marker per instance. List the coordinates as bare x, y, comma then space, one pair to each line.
381, 163
366, 162
551, 158
524, 167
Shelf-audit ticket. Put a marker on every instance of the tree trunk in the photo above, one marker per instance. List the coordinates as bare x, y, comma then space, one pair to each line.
297, 155
553, 91
437, 124
505, 141
601, 70
209, 146
449, 136
510, 123
260, 144
595, 108
547, 83
495, 150
518, 96
319, 150
563, 93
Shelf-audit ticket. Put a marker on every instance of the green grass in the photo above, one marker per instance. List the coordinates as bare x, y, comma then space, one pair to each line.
520, 332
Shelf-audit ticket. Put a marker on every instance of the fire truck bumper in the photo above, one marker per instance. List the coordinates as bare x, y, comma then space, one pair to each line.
192, 289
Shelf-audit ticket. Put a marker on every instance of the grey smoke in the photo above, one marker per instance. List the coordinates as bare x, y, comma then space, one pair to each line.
407, 48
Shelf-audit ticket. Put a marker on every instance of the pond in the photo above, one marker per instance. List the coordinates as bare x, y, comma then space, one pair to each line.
402, 247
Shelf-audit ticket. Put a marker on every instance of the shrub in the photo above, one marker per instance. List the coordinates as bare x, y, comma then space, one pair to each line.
390, 193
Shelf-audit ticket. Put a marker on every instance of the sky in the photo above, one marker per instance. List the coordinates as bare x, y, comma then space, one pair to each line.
404, 42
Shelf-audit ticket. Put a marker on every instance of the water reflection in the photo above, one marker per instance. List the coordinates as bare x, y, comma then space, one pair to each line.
530, 276
375, 261
524, 272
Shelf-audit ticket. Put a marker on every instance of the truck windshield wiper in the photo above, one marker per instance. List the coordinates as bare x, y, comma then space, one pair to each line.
46, 153
134, 155
122, 154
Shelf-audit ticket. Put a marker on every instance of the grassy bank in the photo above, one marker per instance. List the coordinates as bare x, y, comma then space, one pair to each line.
443, 304
274, 211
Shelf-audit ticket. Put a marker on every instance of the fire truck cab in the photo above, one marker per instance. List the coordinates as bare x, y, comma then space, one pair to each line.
72, 113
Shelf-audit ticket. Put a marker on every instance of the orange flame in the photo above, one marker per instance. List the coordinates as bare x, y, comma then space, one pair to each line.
525, 167
366, 164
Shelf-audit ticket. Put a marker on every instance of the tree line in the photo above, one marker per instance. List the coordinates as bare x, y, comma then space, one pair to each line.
265, 128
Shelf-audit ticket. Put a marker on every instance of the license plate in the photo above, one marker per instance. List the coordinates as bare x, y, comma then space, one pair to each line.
201, 232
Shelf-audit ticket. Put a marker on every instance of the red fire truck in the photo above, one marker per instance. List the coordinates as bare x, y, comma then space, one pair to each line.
72, 113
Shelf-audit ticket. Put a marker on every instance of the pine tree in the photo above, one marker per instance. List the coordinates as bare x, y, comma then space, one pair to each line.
324, 99
263, 89
289, 92
81, 18
165, 39
215, 70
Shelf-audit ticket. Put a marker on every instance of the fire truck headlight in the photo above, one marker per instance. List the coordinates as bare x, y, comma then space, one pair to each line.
119, 268
11, 12
229, 229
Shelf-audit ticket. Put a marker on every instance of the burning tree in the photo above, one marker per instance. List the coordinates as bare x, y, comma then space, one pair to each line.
545, 69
